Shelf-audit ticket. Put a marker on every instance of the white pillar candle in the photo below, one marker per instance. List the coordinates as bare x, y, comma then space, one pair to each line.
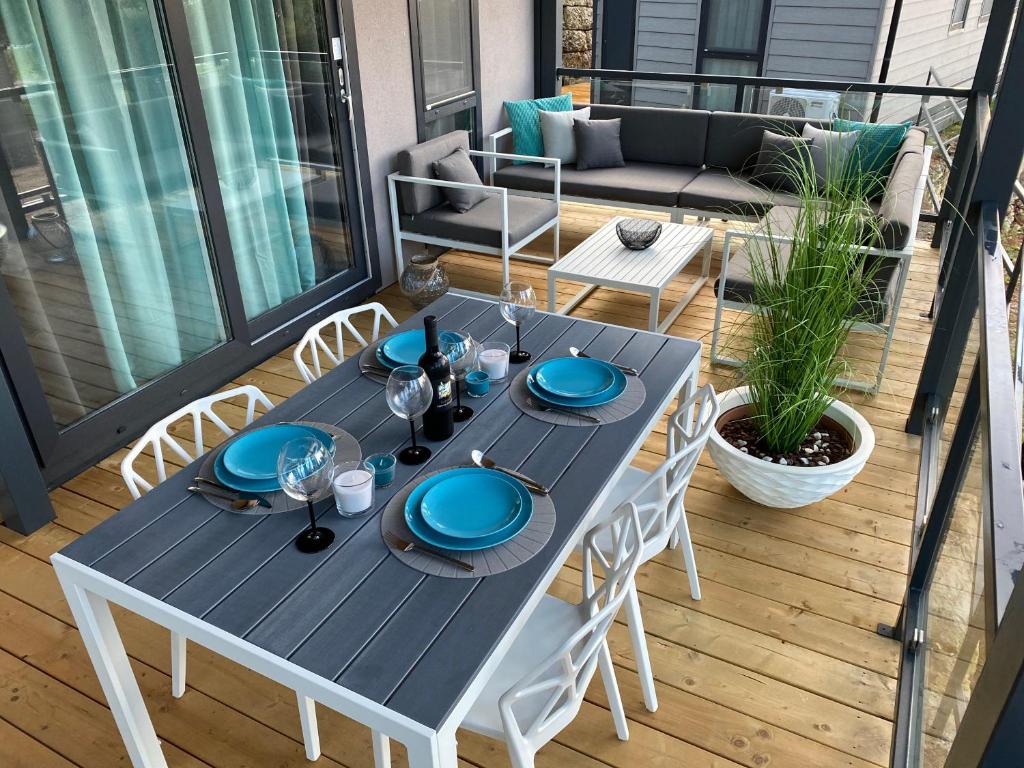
353, 491
494, 362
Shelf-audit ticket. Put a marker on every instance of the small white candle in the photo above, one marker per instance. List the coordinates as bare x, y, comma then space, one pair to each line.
353, 491
494, 362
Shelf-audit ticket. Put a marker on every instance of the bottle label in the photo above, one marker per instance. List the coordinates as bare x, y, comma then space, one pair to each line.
444, 392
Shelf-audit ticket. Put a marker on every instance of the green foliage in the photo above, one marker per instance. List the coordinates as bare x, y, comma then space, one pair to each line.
809, 292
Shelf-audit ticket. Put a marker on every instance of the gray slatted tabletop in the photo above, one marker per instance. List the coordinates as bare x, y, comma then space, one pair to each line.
354, 614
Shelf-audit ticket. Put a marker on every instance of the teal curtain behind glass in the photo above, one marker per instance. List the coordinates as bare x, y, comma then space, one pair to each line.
247, 99
98, 90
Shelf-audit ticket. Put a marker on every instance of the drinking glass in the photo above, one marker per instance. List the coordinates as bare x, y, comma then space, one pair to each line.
517, 303
461, 350
409, 394
305, 470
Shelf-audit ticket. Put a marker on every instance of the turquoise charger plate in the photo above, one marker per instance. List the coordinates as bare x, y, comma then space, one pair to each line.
225, 477
420, 528
605, 397
404, 348
253, 455
575, 376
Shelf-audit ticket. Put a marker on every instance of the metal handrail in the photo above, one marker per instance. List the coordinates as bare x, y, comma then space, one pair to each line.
767, 82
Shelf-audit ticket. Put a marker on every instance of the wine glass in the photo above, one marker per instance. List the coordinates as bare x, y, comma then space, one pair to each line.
517, 303
305, 469
409, 395
461, 350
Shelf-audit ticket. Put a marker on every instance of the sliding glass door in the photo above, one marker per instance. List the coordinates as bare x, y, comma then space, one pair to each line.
731, 42
178, 186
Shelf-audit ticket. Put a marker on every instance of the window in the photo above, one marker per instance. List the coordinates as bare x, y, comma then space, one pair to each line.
959, 13
445, 69
732, 42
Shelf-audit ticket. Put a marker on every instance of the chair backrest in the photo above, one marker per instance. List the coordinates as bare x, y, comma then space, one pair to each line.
158, 436
688, 430
553, 692
315, 344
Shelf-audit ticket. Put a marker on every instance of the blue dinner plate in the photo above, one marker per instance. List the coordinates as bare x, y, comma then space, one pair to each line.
575, 376
495, 505
253, 455
225, 477
607, 396
404, 348
425, 533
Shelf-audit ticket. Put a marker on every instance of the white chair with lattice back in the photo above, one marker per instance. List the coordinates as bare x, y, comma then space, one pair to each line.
315, 344
537, 689
658, 496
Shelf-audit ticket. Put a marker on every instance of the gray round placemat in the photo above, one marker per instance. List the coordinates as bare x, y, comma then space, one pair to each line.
485, 562
370, 366
621, 407
346, 448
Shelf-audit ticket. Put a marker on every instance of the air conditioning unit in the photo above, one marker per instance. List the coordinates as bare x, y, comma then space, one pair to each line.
799, 102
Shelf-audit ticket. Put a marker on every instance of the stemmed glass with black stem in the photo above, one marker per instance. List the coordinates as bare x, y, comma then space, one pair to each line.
461, 350
517, 303
409, 393
305, 469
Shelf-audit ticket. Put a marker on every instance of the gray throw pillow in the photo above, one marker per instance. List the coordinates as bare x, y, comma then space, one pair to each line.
458, 167
780, 161
598, 144
829, 152
559, 139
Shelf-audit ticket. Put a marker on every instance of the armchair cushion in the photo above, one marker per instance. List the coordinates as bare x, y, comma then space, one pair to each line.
481, 225
419, 161
458, 167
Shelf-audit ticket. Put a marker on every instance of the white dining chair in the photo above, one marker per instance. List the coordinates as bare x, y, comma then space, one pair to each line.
157, 438
658, 496
314, 342
537, 689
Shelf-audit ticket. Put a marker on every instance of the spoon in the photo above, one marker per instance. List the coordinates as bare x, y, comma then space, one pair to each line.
485, 462
236, 503
624, 368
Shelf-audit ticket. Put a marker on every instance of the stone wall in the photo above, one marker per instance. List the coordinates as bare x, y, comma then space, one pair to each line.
577, 33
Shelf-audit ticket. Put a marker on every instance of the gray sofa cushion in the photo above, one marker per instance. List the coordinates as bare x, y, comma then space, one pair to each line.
481, 224
645, 183
725, 192
780, 161
734, 138
874, 306
598, 144
458, 167
419, 161
654, 135
896, 209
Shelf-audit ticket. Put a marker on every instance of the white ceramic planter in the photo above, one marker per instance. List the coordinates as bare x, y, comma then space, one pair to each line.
775, 485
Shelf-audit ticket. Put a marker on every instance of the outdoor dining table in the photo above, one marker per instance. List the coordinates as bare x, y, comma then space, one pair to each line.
352, 627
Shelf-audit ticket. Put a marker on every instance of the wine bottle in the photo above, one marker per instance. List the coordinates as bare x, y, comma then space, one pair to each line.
438, 422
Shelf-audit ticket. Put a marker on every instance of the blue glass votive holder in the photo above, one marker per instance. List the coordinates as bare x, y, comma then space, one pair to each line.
478, 383
383, 467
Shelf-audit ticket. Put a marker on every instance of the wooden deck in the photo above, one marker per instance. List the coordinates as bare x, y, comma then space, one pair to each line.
778, 665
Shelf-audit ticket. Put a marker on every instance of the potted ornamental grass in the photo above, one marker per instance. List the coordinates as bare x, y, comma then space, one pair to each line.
783, 439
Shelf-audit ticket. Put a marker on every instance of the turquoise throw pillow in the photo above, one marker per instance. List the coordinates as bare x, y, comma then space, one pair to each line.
524, 119
873, 153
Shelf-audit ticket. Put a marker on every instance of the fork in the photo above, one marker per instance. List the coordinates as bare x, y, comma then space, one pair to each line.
408, 546
555, 409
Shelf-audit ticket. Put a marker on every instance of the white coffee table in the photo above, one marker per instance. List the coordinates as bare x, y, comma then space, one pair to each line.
601, 260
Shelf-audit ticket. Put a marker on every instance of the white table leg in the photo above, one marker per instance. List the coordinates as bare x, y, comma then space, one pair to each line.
381, 750
179, 647
310, 730
102, 641
652, 321
436, 751
552, 298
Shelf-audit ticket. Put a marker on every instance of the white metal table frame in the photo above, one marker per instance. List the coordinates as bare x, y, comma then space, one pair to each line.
89, 594
595, 275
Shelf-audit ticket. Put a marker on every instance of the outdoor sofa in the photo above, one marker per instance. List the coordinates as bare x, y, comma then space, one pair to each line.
696, 162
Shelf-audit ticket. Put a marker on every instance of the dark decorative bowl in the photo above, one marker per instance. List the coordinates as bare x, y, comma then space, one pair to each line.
637, 234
